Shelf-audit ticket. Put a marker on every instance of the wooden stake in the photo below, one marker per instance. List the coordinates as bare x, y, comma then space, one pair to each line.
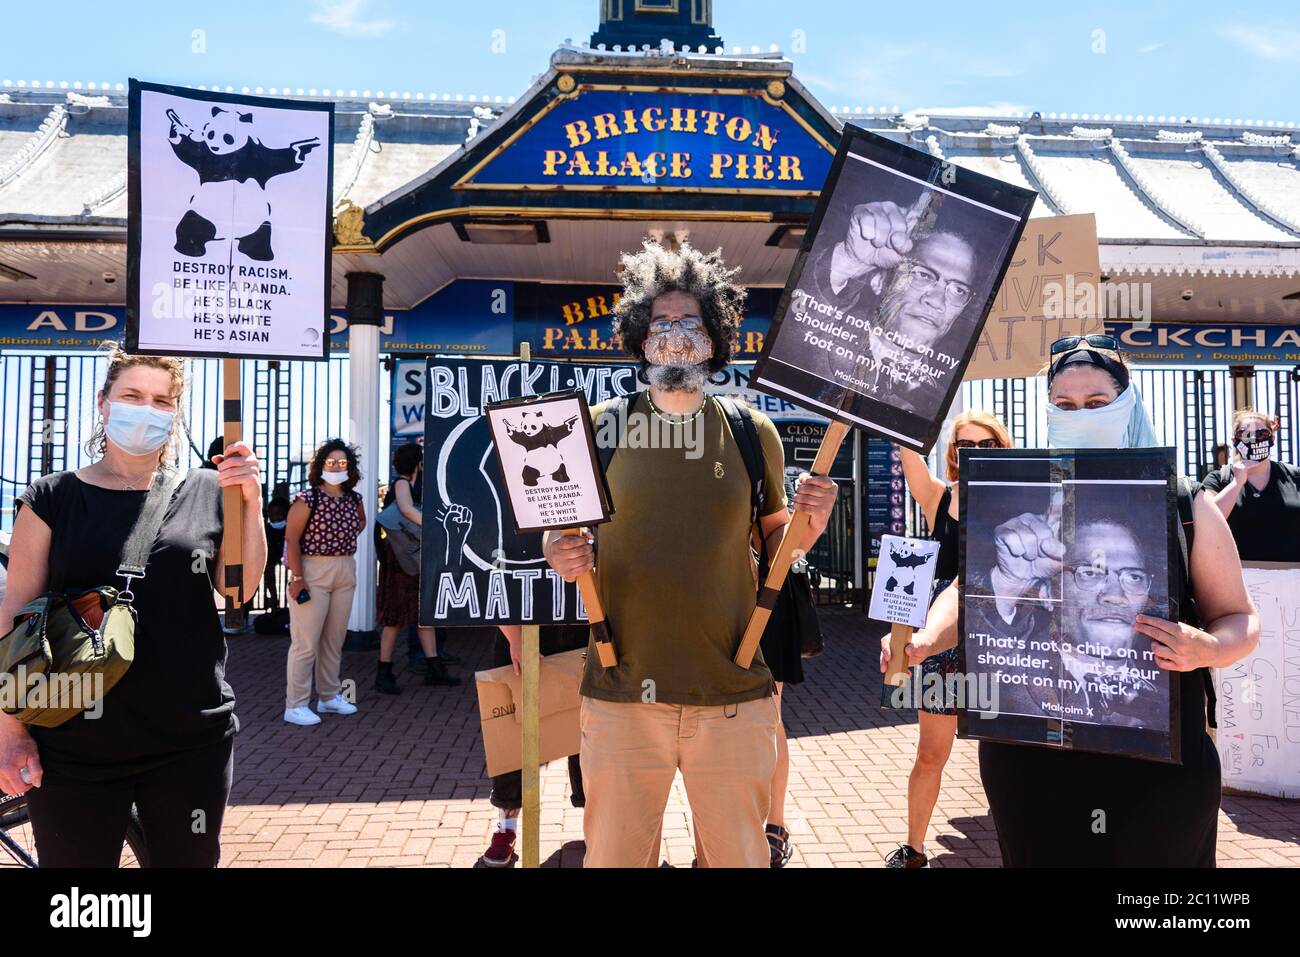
794, 531
232, 499
595, 614
530, 667
897, 670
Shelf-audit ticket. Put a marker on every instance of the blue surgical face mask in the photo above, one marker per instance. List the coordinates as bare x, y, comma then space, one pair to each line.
1104, 428
138, 429
277, 525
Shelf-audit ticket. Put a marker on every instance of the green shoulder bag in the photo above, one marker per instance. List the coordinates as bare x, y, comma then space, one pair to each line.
67, 649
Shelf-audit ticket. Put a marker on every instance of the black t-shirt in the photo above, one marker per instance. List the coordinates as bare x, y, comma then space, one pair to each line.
174, 696
1265, 522
947, 533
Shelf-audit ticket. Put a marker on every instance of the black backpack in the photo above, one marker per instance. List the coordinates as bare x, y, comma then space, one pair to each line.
799, 610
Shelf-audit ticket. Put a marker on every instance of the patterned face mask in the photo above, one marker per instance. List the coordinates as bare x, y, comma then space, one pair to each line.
1255, 446
680, 342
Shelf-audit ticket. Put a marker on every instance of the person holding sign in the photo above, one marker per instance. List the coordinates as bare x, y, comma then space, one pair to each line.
937, 720
678, 582
1259, 496
1058, 807
162, 737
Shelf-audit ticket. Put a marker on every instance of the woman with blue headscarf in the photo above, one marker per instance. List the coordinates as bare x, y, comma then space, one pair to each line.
1062, 808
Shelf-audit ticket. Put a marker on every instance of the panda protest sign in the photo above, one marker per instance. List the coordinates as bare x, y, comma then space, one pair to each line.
904, 574
891, 288
546, 451
476, 567
228, 248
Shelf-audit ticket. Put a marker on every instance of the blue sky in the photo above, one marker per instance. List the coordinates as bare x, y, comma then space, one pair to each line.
1173, 58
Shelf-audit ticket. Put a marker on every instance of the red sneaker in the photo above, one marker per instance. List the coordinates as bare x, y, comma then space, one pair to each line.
501, 852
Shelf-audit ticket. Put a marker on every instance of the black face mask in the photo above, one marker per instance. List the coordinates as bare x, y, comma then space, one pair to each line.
1255, 446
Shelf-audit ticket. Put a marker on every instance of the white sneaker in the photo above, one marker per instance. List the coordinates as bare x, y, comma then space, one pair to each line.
300, 715
335, 705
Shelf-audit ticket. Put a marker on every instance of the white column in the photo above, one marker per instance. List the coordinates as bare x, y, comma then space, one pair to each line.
363, 425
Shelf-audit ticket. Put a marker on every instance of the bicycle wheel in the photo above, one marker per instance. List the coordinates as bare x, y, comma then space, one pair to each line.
18, 843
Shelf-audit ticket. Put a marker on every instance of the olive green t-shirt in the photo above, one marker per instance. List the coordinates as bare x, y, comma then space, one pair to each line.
674, 568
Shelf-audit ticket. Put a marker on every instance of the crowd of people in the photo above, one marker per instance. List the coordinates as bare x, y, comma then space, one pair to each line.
693, 528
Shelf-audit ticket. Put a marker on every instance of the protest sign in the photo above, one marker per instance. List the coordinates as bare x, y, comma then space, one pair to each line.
1061, 551
1259, 696
546, 451
476, 568
890, 290
1050, 290
228, 246
901, 594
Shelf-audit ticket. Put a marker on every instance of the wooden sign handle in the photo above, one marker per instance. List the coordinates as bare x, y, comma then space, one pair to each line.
232, 499
530, 748
780, 565
595, 614
897, 670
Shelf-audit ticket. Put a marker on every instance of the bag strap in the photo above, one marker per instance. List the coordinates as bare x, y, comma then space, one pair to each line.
745, 433
135, 554
618, 407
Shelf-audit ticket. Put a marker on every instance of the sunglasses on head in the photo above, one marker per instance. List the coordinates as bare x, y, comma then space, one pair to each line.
1096, 341
972, 444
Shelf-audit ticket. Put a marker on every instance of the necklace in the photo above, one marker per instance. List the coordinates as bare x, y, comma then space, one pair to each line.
127, 486
664, 418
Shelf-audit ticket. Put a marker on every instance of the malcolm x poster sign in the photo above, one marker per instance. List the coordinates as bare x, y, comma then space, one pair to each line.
1061, 551
891, 288
546, 450
228, 247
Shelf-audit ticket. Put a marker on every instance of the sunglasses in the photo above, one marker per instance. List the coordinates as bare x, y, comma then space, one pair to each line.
972, 444
1096, 341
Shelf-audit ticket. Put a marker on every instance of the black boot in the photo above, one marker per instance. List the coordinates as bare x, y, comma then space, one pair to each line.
385, 683
435, 673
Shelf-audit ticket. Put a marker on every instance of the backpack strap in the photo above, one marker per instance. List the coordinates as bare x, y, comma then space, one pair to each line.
311, 513
745, 433
618, 408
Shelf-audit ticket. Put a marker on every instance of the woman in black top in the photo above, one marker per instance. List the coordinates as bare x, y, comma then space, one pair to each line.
937, 719
1065, 808
161, 739
1258, 495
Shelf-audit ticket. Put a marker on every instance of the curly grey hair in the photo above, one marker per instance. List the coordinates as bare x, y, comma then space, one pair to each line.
653, 271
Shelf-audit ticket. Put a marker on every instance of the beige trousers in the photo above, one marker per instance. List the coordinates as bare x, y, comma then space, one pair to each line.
630, 754
317, 628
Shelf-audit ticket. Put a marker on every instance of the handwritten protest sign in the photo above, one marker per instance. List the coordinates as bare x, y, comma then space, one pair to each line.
1050, 290
1259, 696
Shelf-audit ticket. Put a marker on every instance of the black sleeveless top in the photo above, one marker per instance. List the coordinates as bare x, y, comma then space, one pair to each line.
945, 532
1069, 809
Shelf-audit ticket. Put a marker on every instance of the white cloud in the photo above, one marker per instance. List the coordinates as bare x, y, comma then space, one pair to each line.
1150, 48
1269, 43
349, 18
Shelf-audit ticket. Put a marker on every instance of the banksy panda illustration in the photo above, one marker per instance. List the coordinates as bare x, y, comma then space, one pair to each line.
906, 562
541, 446
233, 167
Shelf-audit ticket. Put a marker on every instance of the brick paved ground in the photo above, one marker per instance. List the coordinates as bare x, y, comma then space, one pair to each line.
402, 784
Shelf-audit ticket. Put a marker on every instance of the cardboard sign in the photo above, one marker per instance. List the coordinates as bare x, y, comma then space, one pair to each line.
1050, 290
546, 450
1258, 715
499, 694
228, 243
476, 568
890, 290
903, 578
1061, 551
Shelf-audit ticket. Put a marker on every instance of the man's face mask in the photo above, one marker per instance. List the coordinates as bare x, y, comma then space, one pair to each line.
1255, 445
678, 342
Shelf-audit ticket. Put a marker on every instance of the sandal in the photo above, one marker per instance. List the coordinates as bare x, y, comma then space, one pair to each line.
778, 839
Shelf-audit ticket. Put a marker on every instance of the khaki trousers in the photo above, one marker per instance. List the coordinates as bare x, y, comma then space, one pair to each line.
630, 753
317, 628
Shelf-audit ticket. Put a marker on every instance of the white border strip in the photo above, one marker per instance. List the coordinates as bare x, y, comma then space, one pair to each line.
803, 399
938, 189
1113, 482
